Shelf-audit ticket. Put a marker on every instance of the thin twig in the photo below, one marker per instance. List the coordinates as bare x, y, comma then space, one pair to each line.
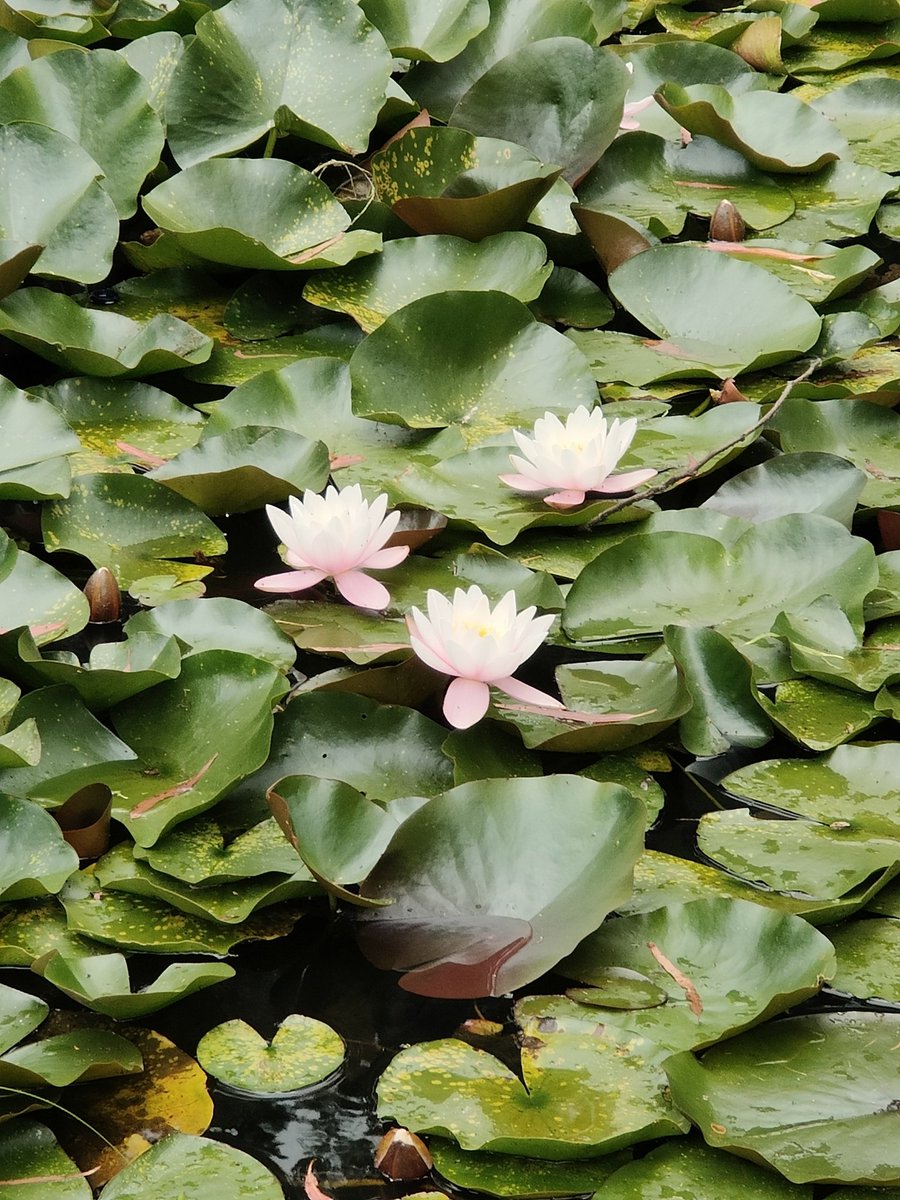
691, 994
692, 471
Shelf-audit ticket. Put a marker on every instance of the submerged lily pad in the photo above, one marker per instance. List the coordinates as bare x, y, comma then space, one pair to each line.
302, 1053
830, 1119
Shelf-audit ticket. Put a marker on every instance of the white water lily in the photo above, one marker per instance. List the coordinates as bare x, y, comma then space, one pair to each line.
336, 536
479, 645
569, 460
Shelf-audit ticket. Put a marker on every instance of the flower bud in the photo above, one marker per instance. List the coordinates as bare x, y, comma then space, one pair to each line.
726, 224
103, 595
400, 1155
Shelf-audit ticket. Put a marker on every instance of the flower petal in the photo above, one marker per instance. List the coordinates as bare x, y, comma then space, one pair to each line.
390, 556
361, 590
289, 581
466, 702
626, 481
569, 499
525, 692
522, 483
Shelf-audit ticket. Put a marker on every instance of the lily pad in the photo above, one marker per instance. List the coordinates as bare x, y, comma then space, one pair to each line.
558, 97
217, 623
316, 68
197, 1166
67, 1058
96, 342
100, 982
133, 525
302, 1053
449, 181
475, 359
433, 30
410, 268
33, 463
477, 919
197, 852
792, 483
817, 715
99, 102
867, 953
35, 595
72, 233
508, 1175
725, 965
861, 111
774, 131
266, 214
29, 1151
697, 300
800, 557
20, 1015
821, 1121
36, 860
837, 202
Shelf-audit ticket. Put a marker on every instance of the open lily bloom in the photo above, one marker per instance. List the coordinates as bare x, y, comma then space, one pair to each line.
337, 536
481, 646
576, 458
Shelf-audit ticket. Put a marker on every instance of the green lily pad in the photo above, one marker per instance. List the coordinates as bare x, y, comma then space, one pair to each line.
197, 853
152, 927
196, 735
620, 593
862, 112
529, 1178
114, 671
341, 631
700, 1172
774, 131
619, 987
410, 268
632, 771
425, 29
32, 593
120, 422
853, 786
266, 214
99, 102
817, 715
76, 21
867, 956
729, 964
217, 623
154, 56
100, 982
644, 178
513, 23
302, 1053
69, 1058
801, 482
559, 98
316, 68
65, 226
20, 1015
449, 181
36, 861
133, 525
33, 463
584, 1094
837, 202
29, 1150
795, 856
97, 342
200, 1168
471, 915
817, 1122
826, 50
570, 298
245, 468
475, 359
690, 298
864, 434
817, 273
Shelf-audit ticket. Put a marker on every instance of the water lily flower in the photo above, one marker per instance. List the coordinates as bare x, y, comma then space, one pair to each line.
574, 458
628, 123
479, 645
337, 536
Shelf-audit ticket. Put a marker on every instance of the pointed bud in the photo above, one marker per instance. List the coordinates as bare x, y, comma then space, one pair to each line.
729, 393
400, 1155
103, 595
726, 224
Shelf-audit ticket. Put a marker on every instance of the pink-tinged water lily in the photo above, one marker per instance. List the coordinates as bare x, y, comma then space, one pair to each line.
337, 536
481, 646
573, 459
628, 124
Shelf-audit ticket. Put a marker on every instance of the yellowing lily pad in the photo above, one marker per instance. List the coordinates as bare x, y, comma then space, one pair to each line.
302, 1053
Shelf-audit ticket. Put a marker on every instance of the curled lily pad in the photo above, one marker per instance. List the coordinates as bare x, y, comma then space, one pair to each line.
689, 298
100, 982
316, 68
449, 181
265, 214
197, 852
37, 861
70, 233
794, 482
97, 342
33, 463
558, 97
724, 964
774, 131
203, 1166
32, 593
409, 268
66, 1058
433, 30
475, 359
822, 1121
99, 102
20, 1015
302, 1053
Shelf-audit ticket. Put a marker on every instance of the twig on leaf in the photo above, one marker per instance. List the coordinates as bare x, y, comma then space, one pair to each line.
691, 993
